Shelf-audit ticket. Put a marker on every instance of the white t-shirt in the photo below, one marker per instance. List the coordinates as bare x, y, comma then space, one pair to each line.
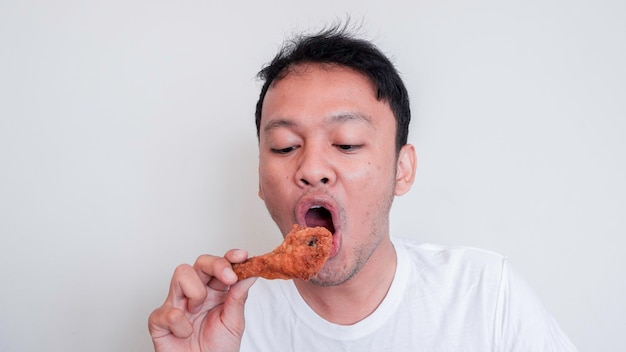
441, 299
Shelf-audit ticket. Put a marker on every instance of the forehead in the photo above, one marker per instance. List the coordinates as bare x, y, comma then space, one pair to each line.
323, 92
322, 76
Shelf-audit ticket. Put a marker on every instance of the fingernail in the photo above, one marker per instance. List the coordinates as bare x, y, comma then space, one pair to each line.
240, 253
236, 252
229, 274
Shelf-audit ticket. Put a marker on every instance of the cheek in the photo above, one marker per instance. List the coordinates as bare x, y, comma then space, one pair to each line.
272, 186
370, 174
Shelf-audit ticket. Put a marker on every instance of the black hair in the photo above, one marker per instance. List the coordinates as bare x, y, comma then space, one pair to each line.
337, 46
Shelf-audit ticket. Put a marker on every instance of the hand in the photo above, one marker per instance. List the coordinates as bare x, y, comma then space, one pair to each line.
204, 308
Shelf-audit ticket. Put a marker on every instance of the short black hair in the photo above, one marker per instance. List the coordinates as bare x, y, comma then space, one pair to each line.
336, 45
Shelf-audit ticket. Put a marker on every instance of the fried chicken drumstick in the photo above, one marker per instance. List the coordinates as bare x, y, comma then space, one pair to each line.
301, 255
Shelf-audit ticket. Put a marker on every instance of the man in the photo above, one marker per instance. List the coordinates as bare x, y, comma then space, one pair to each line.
332, 122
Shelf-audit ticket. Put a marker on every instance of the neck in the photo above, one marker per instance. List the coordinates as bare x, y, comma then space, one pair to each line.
357, 298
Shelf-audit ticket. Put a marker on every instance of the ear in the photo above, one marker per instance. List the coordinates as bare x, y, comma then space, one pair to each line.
259, 177
261, 193
260, 188
405, 169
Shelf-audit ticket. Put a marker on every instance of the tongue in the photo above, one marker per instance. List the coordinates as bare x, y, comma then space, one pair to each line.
319, 217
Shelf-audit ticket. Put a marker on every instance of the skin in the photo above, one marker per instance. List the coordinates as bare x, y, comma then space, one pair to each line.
203, 310
324, 140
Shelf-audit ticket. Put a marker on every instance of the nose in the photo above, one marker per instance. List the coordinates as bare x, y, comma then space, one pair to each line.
324, 180
314, 169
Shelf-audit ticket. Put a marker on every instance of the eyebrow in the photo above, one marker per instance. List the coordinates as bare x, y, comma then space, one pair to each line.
332, 119
350, 116
274, 124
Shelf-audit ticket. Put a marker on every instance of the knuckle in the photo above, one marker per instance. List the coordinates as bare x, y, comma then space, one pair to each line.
182, 269
236, 255
153, 318
209, 262
163, 318
173, 316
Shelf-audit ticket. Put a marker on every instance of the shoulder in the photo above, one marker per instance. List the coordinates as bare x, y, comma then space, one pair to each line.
447, 271
440, 256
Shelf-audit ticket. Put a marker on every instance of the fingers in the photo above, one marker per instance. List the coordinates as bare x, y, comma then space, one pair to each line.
187, 291
209, 283
188, 285
217, 272
239, 291
236, 255
234, 305
165, 321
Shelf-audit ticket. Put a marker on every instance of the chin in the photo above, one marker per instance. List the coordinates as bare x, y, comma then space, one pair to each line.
328, 277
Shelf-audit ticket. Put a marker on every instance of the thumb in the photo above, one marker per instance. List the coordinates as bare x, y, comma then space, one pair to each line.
233, 313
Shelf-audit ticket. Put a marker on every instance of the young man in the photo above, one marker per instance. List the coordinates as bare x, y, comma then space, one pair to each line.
332, 121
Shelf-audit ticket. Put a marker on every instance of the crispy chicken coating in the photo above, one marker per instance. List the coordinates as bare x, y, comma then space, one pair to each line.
301, 255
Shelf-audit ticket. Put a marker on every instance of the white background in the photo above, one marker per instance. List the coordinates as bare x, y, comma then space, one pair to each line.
127, 146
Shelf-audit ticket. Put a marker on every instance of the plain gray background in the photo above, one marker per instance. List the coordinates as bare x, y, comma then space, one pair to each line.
127, 147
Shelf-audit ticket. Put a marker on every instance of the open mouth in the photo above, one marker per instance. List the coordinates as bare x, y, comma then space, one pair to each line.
319, 216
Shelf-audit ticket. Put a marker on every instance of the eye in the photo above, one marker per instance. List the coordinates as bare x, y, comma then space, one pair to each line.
348, 147
283, 150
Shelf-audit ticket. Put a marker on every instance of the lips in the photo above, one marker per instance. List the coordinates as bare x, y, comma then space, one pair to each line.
313, 211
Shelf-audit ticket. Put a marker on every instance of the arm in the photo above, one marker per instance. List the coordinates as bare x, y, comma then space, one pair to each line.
204, 308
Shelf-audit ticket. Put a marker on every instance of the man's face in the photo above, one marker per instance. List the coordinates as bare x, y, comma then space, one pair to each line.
327, 158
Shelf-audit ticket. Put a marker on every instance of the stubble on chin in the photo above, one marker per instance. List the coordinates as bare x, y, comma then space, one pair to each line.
330, 276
